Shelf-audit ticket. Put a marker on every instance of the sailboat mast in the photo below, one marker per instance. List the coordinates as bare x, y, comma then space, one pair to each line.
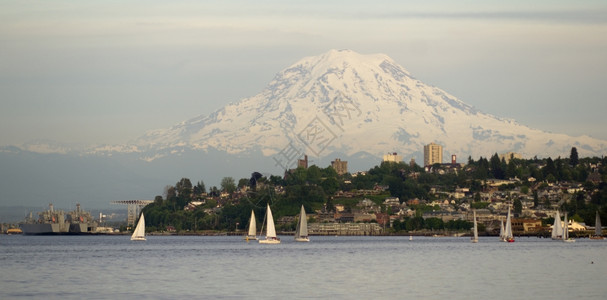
262, 224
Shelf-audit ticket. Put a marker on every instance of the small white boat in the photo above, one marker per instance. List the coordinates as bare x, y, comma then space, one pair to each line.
252, 232
475, 230
410, 237
301, 233
139, 233
271, 231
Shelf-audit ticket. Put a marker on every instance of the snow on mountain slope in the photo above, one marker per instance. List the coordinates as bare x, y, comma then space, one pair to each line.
346, 102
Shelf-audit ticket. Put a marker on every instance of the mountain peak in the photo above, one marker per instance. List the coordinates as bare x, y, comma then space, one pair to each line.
344, 59
365, 103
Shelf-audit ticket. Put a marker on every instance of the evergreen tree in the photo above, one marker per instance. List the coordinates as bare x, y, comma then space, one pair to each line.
496, 167
573, 157
549, 169
518, 206
200, 188
511, 169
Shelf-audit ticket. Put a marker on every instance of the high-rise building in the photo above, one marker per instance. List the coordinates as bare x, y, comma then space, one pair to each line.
340, 167
433, 154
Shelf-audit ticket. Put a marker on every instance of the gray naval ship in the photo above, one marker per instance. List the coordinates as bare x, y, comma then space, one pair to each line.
53, 221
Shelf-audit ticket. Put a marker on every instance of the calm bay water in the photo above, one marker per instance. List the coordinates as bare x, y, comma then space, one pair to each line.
179, 267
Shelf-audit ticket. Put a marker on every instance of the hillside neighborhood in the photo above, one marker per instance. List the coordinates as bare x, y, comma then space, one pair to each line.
399, 198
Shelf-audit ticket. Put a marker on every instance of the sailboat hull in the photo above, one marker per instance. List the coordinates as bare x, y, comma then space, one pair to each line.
270, 241
302, 239
138, 238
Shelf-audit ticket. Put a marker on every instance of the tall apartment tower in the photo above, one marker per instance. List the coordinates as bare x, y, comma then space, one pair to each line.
433, 154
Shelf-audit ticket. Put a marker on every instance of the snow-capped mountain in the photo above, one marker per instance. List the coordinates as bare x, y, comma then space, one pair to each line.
345, 102
340, 104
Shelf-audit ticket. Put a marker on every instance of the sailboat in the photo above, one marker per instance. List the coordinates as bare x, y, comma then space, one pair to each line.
252, 233
597, 228
508, 232
566, 237
271, 231
301, 233
475, 237
139, 233
502, 232
557, 227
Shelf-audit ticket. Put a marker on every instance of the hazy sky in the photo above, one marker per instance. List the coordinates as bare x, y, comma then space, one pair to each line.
107, 71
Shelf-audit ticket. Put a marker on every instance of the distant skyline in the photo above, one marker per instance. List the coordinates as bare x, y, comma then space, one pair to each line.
99, 72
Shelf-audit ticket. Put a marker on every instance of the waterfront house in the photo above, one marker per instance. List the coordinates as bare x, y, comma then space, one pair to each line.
526, 225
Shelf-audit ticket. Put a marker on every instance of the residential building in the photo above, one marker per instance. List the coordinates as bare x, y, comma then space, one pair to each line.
433, 154
303, 163
393, 157
526, 225
341, 167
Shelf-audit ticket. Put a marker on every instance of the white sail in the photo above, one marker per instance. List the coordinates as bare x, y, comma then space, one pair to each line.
475, 237
597, 225
139, 233
252, 232
502, 232
301, 233
508, 232
271, 230
557, 227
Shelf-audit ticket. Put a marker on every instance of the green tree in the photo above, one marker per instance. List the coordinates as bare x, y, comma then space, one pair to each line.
330, 185
518, 206
313, 175
214, 191
200, 188
511, 169
228, 185
573, 157
184, 187
433, 223
549, 169
482, 170
243, 182
496, 167
415, 223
